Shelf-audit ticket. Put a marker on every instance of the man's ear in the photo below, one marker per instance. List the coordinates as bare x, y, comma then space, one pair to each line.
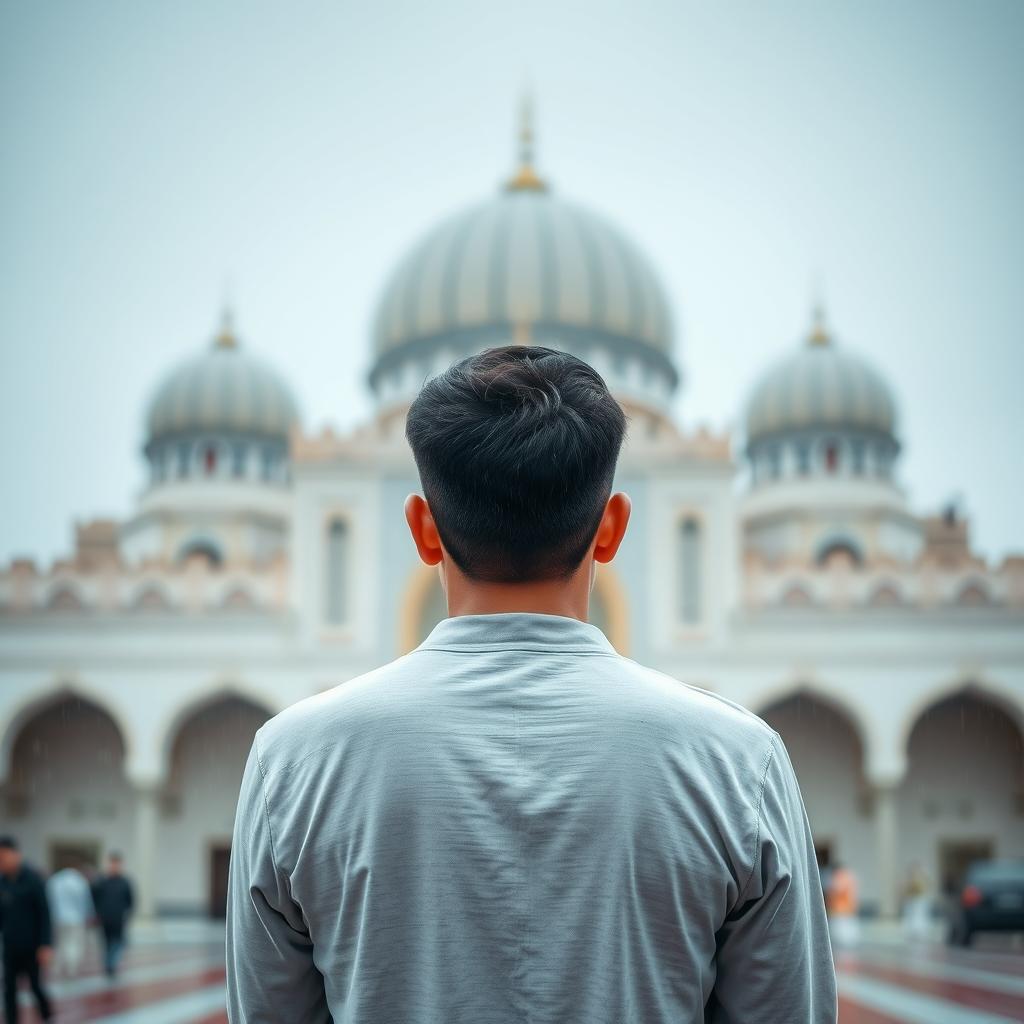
612, 527
423, 530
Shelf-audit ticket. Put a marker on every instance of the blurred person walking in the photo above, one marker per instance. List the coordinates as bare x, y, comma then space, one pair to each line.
26, 929
114, 898
71, 910
841, 901
513, 821
917, 903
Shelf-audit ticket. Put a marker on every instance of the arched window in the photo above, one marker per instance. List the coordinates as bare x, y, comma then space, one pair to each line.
973, 594
65, 599
210, 460
831, 456
238, 460
337, 571
183, 453
796, 597
857, 456
774, 462
689, 570
803, 458
268, 463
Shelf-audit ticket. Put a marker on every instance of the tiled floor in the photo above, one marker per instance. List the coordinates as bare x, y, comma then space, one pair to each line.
176, 976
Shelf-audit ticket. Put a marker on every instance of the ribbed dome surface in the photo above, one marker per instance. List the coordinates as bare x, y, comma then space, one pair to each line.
823, 385
524, 258
222, 389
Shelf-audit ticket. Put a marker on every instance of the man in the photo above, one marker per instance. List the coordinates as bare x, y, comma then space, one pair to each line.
25, 928
841, 903
114, 899
71, 909
513, 822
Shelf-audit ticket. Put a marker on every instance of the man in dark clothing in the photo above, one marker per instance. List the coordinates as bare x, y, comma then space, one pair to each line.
112, 894
25, 927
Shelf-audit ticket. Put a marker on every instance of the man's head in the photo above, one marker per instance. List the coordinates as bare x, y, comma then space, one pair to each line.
516, 449
10, 855
115, 863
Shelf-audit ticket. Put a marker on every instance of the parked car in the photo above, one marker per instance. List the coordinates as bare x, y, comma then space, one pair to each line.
992, 899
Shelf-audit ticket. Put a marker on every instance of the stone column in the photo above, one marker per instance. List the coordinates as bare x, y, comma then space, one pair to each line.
144, 868
887, 846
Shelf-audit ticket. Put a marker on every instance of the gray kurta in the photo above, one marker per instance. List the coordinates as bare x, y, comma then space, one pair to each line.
513, 824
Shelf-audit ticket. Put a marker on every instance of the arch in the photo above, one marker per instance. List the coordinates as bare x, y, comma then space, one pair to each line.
39, 703
839, 544
827, 747
64, 596
973, 594
238, 599
608, 585
411, 604
206, 699
810, 690
963, 788
151, 595
886, 594
203, 546
980, 689
796, 595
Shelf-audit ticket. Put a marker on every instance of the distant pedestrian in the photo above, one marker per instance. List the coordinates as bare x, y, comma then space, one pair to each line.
841, 903
917, 903
71, 910
112, 894
25, 927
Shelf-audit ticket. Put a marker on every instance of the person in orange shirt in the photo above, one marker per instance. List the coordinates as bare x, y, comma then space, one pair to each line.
841, 903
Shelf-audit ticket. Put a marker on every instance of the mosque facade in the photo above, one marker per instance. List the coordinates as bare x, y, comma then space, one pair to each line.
263, 563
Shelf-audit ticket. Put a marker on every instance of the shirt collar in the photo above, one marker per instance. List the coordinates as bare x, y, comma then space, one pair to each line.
517, 630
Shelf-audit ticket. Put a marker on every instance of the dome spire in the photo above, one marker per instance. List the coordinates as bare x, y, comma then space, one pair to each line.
526, 178
819, 332
225, 337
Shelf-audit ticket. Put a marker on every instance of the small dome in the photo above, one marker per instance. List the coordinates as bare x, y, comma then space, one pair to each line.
820, 385
524, 264
223, 389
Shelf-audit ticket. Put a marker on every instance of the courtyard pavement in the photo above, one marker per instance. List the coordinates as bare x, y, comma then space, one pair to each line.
173, 973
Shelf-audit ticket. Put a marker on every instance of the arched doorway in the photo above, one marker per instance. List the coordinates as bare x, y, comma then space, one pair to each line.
197, 808
827, 752
962, 797
66, 797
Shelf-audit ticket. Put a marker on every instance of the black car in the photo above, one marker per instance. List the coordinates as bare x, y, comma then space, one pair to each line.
991, 900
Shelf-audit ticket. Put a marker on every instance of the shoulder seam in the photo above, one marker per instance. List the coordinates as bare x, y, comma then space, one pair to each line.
266, 800
769, 754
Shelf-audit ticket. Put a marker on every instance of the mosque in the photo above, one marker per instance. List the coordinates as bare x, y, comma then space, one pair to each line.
263, 563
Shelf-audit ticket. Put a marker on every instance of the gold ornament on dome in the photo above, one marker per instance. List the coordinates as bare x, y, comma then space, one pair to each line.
526, 178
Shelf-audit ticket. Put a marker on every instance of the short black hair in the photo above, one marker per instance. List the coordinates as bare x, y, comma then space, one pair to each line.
516, 448
8, 843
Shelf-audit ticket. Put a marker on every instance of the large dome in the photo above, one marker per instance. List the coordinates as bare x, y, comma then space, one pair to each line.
525, 266
222, 390
821, 385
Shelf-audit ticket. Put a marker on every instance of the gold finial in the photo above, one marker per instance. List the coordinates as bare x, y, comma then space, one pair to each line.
526, 178
819, 332
226, 335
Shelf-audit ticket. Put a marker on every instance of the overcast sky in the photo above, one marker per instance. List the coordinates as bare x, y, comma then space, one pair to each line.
151, 152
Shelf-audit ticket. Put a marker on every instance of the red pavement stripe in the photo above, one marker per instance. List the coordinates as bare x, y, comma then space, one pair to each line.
975, 996
853, 1013
97, 1005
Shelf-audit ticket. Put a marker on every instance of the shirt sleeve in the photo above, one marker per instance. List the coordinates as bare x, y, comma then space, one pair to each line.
271, 976
774, 957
